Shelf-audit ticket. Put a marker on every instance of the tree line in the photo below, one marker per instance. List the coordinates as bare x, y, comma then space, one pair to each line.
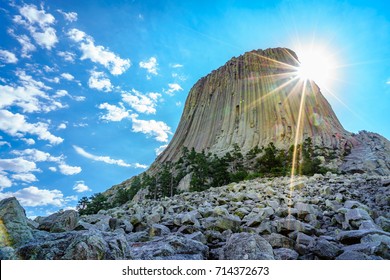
209, 170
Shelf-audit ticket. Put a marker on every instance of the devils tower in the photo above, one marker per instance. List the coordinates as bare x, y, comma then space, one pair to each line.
253, 100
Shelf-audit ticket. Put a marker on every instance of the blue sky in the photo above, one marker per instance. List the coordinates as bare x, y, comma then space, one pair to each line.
90, 91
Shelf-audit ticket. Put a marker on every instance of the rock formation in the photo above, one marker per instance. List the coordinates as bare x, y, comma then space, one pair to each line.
253, 100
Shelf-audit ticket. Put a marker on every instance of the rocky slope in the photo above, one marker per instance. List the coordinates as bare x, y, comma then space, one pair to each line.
318, 217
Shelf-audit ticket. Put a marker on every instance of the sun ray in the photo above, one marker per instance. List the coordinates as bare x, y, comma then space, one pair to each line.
298, 138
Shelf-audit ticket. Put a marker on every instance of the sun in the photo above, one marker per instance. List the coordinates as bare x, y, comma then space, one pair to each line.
317, 64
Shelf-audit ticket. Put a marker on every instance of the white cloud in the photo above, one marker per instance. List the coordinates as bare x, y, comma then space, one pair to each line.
179, 77
178, 103
30, 95
67, 56
25, 177
71, 16
61, 93
105, 159
77, 35
28, 141
32, 196
17, 165
69, 170
173, 88
388, 82
99, 81
25, 42
139, 165
80, 187
46, 39
98, 54
176, 65
61, 126
16, 125
150, 65
160, 149
38, 22
67, 76
53, 169
4, 143
157, 129
141, 103
115, 113
35, 16
55, 80
36, 155
49, 69
4, 182
7, 57
79, 98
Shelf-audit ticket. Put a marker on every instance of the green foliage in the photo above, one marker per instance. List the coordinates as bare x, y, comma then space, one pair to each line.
93, 204
310, 164
253, 153
209, 170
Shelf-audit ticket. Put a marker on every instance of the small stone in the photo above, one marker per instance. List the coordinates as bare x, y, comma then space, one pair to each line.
274, 204
339, 197
356, 214
198, 236
285, 254
326, 250
279, 241
158, 230
384, 223
153, 218
352, 255
304, 239
304, 209
246, 246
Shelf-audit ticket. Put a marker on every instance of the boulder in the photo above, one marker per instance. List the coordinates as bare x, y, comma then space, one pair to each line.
246, 246
172, 247
279, 241
325, 249
354, 236
59, 222
76, 245
158, 230
285, 254
352, 255
13, 224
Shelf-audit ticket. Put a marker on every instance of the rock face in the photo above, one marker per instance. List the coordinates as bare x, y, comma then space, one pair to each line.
59, 222
253, 100
14, 230
370, 154
318, 217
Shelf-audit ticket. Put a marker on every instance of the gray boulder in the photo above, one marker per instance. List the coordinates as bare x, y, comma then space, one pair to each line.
13, 224
326, 250
247, 246
76, 245
285, 254
60, 221
172, 247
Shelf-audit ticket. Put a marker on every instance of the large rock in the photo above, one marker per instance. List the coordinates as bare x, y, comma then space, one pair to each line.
326, 250
14, 228
246, 246
370, 154
172, 247
231, 105
60, 221
76, 245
